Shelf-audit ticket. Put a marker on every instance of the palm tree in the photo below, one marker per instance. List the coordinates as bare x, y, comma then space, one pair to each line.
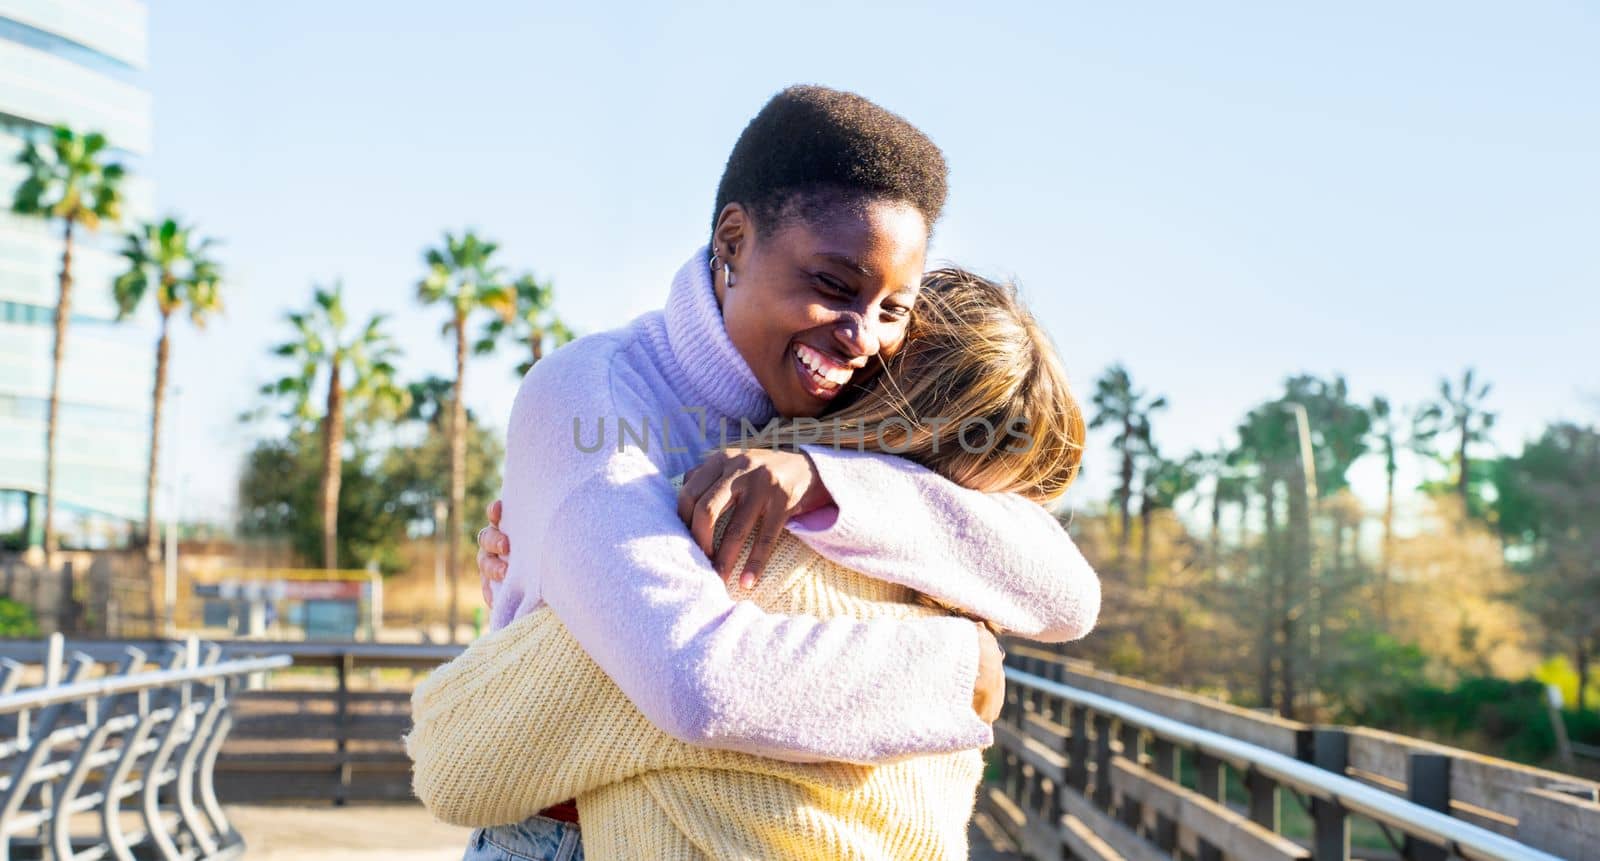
1386, 422
358, 365
1163, 483
429, 401
1459, 411
531, 321
68, 178
1228, 487
167, 260
462, 276
1121, 406
1267, 457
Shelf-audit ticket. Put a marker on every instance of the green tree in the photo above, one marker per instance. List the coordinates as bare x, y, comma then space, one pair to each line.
1163, 483
1549, 506
1459, 413
280, 487
1228, 488
385, 495
531, 322
1121, 406
1340, 428
1386, 430
70, 178
462, 276
1263, 460
357, 364
1270, 457
169, 263
417, 474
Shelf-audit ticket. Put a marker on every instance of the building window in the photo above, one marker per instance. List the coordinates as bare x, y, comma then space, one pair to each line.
66, 49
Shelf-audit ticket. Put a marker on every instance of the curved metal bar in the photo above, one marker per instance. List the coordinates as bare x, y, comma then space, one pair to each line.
192, 751
227, 834
61, 817
156, 776
110, 812
24, 776
110, 686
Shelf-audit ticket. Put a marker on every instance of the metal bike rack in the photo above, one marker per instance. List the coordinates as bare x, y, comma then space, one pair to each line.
131, 742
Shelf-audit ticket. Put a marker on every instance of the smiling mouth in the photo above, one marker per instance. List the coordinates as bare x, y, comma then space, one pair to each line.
821, 375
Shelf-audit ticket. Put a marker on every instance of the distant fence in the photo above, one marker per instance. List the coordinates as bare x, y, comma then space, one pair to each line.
85, 595
1092, 765
339, 742
88, 749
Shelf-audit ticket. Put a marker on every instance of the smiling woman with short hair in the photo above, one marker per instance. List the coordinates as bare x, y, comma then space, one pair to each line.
810, 281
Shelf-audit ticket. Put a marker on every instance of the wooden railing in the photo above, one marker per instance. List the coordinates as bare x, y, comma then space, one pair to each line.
83, 748
1092, 765
306, 739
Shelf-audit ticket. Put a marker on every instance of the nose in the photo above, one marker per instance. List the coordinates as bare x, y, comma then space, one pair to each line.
856, 337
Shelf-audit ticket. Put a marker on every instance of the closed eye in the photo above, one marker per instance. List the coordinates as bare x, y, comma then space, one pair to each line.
832, 287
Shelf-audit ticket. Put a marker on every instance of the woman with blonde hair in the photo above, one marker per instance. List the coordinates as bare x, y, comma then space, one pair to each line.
978, 396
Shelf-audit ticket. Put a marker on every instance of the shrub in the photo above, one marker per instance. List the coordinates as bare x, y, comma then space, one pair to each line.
16, 619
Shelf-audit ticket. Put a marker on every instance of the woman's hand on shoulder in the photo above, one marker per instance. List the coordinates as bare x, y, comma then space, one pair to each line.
493, 548
989, 692
762, 488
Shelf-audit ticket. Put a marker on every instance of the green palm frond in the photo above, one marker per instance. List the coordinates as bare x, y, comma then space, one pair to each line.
526, 317
168, 260
365, 355
462, 274
69, 177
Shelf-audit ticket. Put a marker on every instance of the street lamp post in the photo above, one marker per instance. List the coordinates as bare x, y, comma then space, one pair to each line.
1307, 461
169, 590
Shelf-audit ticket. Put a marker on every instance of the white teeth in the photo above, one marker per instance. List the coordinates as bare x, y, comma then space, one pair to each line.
823, 369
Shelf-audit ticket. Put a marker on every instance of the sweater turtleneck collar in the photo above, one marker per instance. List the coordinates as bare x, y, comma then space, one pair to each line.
718, 378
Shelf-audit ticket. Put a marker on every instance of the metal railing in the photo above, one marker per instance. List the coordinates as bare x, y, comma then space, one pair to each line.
332, 734
82, 756
1086, 775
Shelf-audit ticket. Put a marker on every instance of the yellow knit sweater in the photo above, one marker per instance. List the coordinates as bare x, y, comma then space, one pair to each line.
524, 719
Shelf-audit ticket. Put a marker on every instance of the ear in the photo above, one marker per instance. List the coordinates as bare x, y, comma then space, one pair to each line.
734, 230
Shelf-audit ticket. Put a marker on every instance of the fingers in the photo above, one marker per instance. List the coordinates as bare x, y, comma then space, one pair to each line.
494, 513
491, 567
991, 713
488, 594
493, 542
740, 523
990, 691
709, 507
695, 484
766, 540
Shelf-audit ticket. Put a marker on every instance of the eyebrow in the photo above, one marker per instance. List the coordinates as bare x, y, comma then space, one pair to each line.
847, 262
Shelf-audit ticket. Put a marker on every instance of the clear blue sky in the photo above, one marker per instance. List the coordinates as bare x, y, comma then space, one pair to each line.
1217, 194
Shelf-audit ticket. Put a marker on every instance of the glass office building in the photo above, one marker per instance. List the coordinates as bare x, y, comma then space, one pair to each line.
78, 62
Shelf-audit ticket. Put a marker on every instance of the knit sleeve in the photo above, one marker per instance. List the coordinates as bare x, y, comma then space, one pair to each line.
597, 538
997, 555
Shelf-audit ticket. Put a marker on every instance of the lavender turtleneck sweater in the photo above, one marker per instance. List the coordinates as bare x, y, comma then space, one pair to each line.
591, 514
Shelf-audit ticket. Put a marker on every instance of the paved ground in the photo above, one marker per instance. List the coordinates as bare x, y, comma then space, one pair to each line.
396, 833
403, 832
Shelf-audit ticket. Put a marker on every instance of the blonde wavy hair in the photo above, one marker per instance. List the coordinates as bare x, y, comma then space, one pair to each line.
977, 394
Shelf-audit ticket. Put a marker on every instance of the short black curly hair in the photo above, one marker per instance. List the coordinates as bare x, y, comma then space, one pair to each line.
812, 149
